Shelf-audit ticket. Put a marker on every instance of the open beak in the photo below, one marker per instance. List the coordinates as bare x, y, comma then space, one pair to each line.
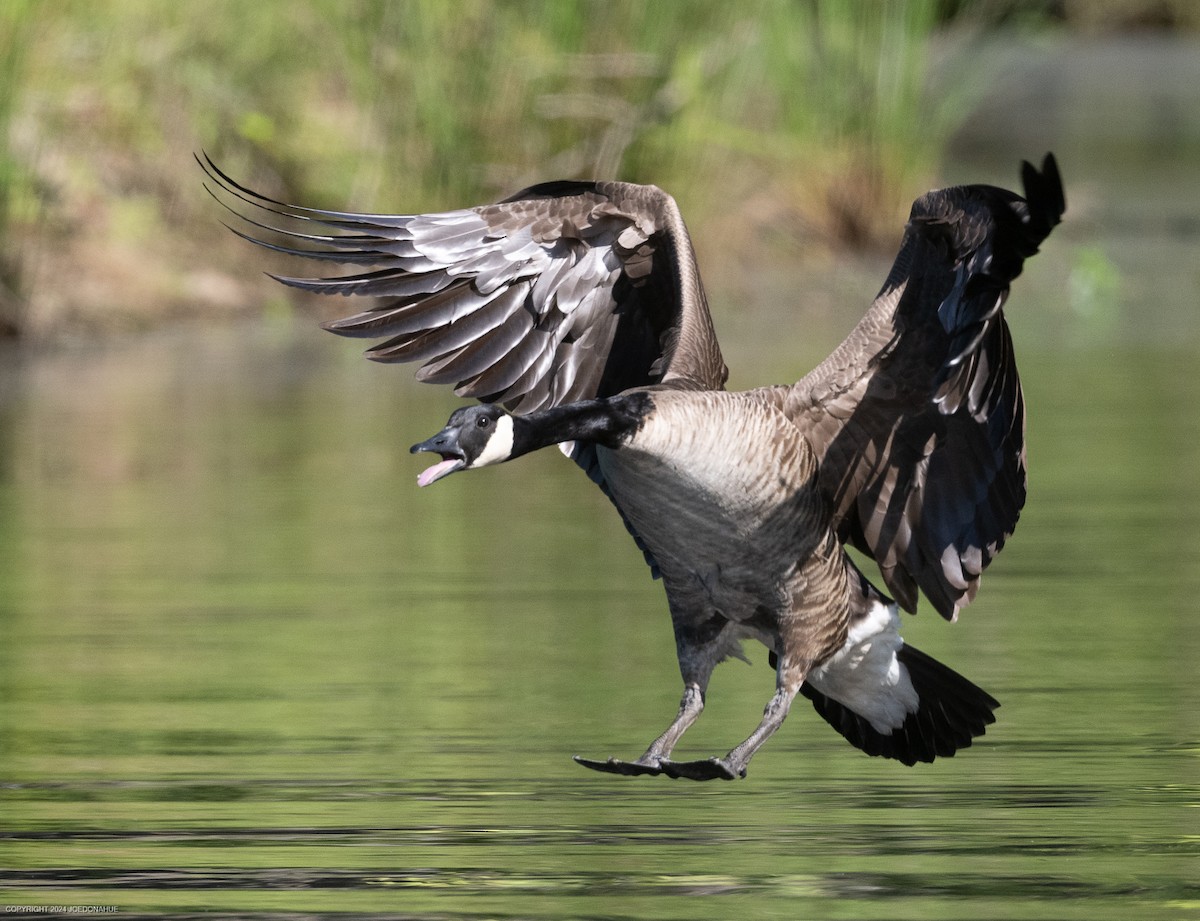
444, 443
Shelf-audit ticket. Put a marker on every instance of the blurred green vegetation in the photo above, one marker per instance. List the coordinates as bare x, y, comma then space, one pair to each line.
814, 115
14, 22
818, 118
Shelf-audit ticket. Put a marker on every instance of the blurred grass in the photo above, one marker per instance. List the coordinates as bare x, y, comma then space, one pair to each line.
812, 121
15, 18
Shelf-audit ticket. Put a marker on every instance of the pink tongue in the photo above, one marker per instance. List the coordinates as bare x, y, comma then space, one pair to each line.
436, 471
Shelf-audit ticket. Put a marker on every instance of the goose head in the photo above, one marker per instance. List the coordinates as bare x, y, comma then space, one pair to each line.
475, 436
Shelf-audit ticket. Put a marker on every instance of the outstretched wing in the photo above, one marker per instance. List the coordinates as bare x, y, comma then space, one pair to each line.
563, 292
566, 291
918, 416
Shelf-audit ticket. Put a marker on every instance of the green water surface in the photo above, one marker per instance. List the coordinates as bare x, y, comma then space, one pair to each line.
249, 669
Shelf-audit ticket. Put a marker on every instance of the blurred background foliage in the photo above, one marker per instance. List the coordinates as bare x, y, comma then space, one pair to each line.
805, 124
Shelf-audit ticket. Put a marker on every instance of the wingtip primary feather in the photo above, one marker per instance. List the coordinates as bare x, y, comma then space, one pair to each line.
1044, 193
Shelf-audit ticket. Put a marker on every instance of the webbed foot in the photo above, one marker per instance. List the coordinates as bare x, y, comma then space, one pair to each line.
708, 769
616, 766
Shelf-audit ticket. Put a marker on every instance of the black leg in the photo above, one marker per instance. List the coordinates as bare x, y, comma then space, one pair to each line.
657, 755
734, 764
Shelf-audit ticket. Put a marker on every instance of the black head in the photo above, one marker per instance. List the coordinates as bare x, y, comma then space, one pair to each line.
475, 436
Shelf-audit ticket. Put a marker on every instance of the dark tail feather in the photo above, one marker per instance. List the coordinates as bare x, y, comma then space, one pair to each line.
952, 712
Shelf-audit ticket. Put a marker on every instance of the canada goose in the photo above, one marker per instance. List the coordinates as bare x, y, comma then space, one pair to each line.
574, 312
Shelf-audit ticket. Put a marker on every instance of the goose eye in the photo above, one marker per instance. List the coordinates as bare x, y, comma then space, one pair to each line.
483, 422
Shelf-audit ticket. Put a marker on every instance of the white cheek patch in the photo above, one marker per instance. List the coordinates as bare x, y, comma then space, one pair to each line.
499, 446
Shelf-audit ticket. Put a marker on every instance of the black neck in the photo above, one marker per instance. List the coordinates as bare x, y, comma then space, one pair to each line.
609, 422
